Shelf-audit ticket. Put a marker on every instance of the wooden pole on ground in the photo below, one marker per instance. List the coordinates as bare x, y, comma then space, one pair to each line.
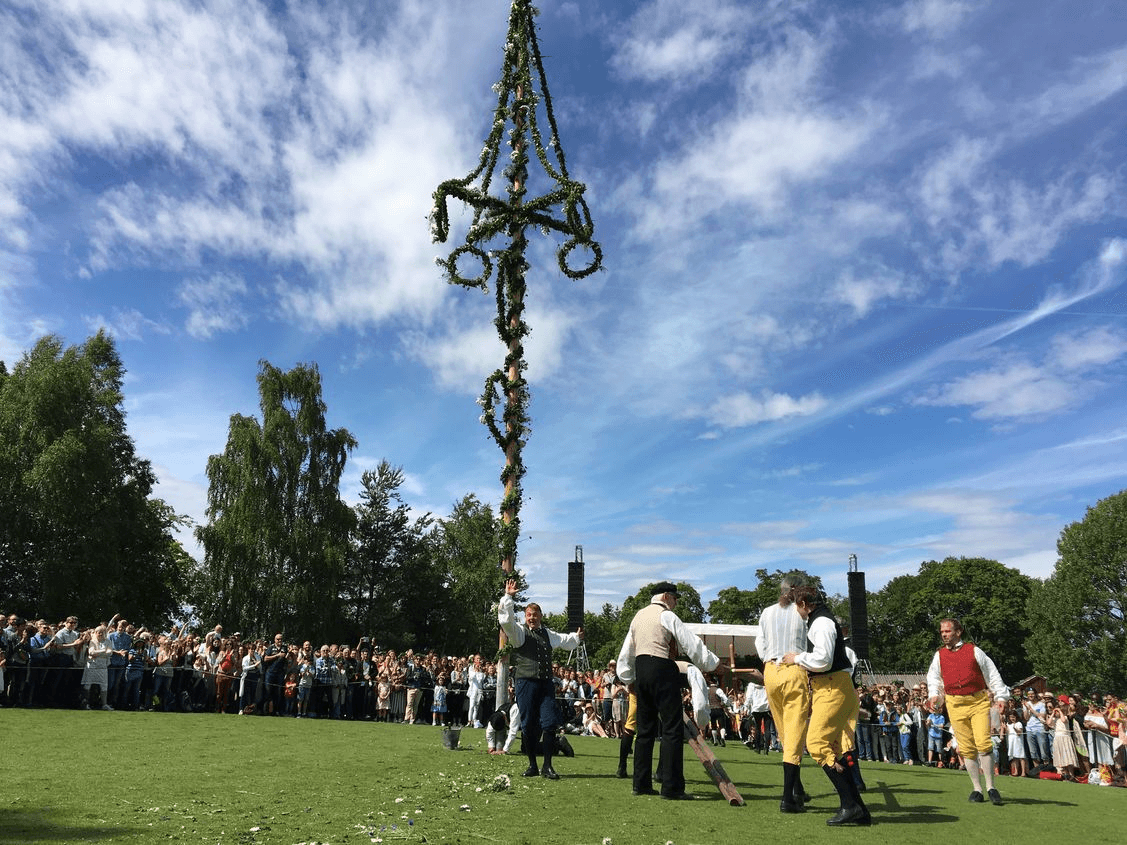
711, 764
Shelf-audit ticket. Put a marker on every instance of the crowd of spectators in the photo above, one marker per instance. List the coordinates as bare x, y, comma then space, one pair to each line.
1048, 735
115, 665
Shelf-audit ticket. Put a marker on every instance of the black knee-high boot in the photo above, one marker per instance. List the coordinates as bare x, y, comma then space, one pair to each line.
853, 810
547, 749
790, 802
800, 793
625, 746
531, 750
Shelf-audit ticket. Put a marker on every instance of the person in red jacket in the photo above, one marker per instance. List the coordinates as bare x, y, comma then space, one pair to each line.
964, 676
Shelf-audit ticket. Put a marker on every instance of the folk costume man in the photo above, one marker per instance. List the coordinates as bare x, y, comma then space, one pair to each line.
834, 704
963, 674
781, 631
718, 706
645, 663
532, 678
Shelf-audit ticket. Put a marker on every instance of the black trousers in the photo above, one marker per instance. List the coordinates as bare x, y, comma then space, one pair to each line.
658, 690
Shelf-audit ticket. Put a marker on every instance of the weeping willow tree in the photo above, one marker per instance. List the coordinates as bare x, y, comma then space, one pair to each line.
277, 533
497, 239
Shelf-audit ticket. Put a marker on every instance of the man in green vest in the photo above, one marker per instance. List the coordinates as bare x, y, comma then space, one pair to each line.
532, 678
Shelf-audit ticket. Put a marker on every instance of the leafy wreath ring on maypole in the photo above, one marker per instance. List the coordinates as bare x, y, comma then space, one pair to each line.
451, 265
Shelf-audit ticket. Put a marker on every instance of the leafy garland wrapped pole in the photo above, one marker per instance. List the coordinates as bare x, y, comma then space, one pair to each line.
497, 234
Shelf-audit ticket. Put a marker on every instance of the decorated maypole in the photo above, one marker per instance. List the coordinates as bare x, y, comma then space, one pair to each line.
497, 237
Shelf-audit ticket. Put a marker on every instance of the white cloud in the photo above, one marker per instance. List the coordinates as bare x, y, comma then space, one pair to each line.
1090, 81
779, 136
863, 292
980, 215
215, 304
742, 409
310, 141
126, 324
669, 40
1007, 392
1016, 389
1086, 350
792, 471
16, 334
932, 63
951, 174
936, 18
462, 351
766, 529
461, 359
1097, 276
983, 525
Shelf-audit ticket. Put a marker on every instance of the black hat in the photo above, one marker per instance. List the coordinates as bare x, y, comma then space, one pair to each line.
665, 587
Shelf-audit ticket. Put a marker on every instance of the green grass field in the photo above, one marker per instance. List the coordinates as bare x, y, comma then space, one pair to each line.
148, 778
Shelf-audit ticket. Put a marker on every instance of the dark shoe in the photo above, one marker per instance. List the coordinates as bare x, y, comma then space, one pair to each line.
854, 815
995, 797
791, 807
804, 796
549, 773
975, 797
678, 796
650, 791
622, 773
532, 772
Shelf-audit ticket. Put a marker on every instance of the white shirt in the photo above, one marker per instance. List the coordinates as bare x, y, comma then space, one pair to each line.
476, 679
755, 698
516, 631
514, 726
781, 631
823, 636
699, 689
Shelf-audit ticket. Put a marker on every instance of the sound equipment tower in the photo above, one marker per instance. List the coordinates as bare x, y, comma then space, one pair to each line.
858, 611
575, 606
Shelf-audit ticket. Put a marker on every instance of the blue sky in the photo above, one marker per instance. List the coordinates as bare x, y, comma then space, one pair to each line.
865, 262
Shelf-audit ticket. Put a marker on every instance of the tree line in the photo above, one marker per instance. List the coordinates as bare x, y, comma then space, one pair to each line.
81, 532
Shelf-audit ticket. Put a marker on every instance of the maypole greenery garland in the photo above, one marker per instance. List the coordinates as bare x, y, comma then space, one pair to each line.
517, 105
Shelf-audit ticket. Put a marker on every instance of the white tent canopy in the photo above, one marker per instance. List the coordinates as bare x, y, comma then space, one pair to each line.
719, 637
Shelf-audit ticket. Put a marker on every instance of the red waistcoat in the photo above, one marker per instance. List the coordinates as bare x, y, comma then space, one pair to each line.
961, 672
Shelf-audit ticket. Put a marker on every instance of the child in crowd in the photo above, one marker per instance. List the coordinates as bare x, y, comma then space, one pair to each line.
1015, 747
438, 708
936, 725
383, 698
305, 673
291, 693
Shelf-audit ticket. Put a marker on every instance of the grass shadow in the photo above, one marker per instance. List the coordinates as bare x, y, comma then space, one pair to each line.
1037, 802
18, 827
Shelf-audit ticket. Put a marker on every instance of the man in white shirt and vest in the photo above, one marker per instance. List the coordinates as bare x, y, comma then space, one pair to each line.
646, 664
533, 687
962, 674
